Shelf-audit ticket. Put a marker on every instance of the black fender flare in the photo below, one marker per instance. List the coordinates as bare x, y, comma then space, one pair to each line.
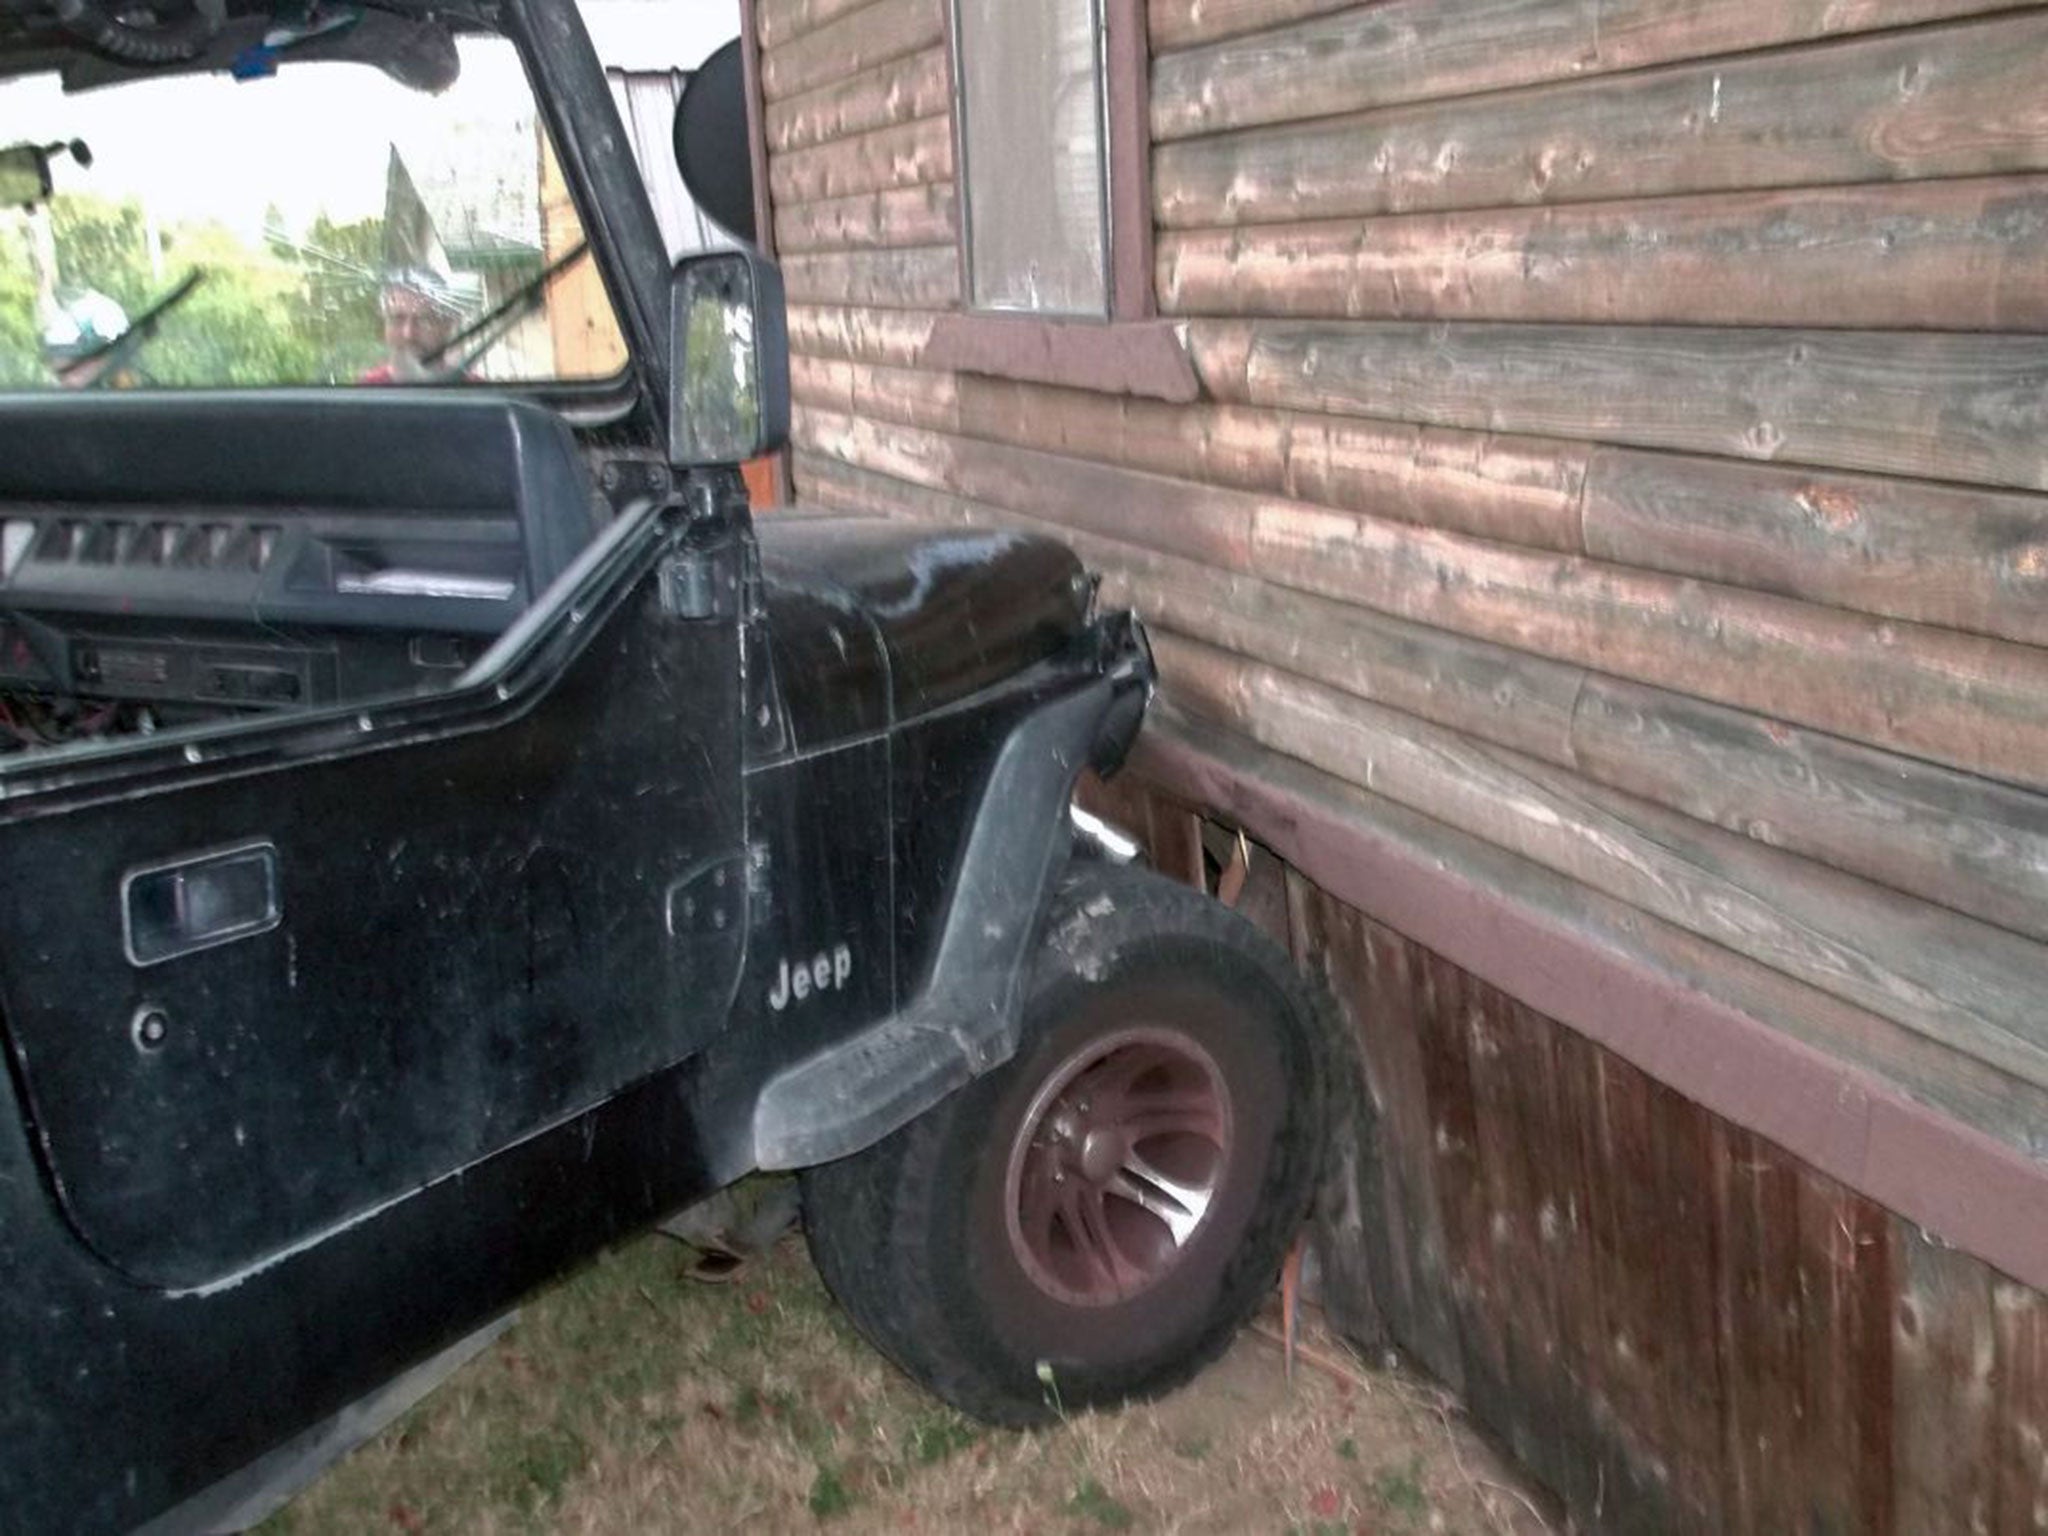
965, 1020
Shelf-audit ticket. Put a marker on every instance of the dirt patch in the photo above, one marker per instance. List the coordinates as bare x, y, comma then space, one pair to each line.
634, 1399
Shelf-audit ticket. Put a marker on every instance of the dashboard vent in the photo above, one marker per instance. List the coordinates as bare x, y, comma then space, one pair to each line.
202, 546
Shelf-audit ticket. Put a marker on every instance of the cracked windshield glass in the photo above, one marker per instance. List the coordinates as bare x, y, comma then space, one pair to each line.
333, 209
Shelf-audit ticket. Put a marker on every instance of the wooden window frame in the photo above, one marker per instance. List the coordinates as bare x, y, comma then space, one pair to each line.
1130, 351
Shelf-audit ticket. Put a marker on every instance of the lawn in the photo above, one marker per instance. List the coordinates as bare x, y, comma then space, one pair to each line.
633, 1398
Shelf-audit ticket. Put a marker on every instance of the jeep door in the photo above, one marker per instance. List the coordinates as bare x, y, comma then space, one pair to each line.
313, 908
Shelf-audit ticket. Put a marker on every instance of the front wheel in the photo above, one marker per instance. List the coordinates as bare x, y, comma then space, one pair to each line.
1094, 1220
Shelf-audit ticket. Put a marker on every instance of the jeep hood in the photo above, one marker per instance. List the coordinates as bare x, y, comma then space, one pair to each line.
942, 611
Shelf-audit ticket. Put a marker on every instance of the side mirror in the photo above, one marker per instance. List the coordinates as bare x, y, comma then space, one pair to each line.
25, 171
711, 143
729, 356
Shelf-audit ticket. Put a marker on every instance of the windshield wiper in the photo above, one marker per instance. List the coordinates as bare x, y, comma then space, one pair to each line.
105, 362
496, 322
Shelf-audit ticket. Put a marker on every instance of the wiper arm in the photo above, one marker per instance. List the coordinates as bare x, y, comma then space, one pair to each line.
106, 360
498, 319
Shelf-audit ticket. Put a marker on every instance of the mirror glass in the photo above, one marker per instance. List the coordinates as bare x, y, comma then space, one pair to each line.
715, 416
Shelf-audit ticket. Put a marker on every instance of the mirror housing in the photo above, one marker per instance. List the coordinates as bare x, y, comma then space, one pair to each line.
712, 151
729, 360
25, 171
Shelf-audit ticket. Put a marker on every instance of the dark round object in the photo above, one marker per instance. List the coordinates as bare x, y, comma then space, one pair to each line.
711, 145
1094, 1220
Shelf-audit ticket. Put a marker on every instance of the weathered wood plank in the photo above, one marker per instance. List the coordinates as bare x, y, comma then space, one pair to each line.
1963, 841
1419, 50
1842, 1411
1945, 1357
1959, 982
1947, 555
918, 277
2020, 1411
1607, 1457
1959, 102
897, 338
1756, 1205
1520, 490
1961, 700
907, 155
778, 21
911, 396
1970, 408
1958, 840
900, 91
1950, 556
857, 40
1970, 255
1512, 1093
901, 216
1978, 1094
1605, 929
1370, 972
1183, 23
1657, 1294
1190, 520
1477, 1283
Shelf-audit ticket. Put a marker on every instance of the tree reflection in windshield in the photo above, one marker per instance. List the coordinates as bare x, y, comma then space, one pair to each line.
347, 229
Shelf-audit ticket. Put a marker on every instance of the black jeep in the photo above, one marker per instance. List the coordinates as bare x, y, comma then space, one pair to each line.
443, 832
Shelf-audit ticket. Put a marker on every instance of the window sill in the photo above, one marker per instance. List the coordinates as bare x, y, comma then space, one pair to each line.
1118, 357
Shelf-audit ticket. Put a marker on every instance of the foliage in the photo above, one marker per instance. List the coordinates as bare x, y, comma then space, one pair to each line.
278, 312
20, 365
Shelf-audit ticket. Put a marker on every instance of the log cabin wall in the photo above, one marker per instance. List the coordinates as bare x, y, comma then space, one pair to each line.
1612, 526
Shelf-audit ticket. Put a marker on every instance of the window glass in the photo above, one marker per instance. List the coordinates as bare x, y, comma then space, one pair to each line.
324, 224
1032, 137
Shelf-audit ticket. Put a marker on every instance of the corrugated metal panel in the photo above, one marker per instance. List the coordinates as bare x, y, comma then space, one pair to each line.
647, 105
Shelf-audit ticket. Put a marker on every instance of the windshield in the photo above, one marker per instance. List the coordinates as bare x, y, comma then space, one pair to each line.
323, 224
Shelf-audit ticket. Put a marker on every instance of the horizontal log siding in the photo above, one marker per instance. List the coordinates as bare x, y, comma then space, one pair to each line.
1956, 557
1620, 482
1984, 1097
1962, 101
1958, 255
778, 21
913, 277
920, 85
1956, 839
1419, 50
1949, 407
921, 215
907, 155
856, 40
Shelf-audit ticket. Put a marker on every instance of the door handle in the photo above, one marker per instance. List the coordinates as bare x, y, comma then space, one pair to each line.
199, 901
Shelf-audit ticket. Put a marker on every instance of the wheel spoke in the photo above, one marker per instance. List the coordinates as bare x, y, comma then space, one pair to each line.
1181, 1206
1174, 1112
1117, 1164
1089, 1225
1109, 1083
1038, 1202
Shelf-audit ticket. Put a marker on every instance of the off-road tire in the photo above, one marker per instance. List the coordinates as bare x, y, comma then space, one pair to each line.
915, 1236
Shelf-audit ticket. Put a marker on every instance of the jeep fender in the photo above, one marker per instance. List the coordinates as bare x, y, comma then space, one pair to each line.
965, 1019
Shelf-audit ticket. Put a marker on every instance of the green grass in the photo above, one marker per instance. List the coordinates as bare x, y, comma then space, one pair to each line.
630, 1392
1399, 1491
1091, 1501
829, 1495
